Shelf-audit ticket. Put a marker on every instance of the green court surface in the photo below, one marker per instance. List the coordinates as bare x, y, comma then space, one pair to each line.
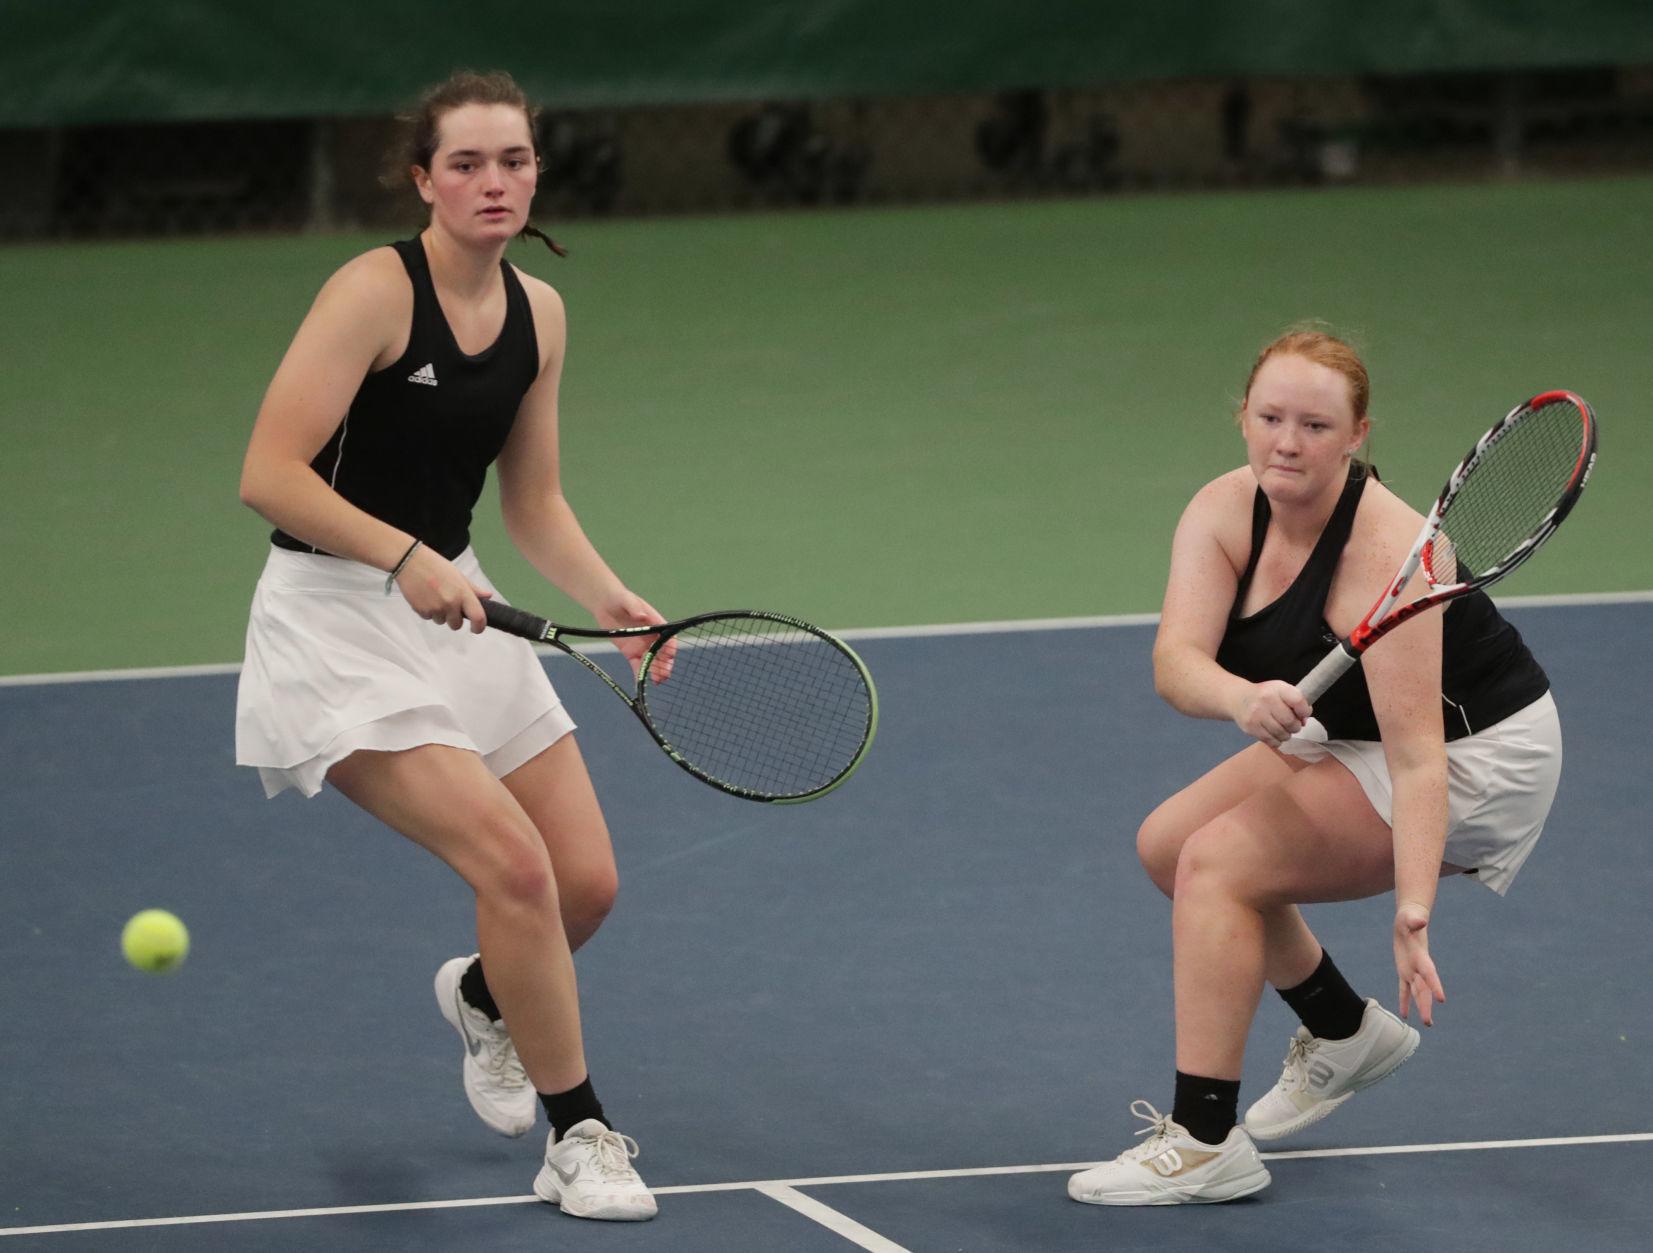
866, 417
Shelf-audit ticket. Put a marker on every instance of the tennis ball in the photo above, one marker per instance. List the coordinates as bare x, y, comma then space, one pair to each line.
155, 940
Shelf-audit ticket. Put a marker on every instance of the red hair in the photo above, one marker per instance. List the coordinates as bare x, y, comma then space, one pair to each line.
1322, 349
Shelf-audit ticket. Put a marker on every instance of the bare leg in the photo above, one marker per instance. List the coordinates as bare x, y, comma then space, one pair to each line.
445, 800
1311, 837
1291, 952
555, 792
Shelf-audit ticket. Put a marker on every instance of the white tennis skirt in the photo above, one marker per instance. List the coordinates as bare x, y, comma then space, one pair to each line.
334, 665
1500, 785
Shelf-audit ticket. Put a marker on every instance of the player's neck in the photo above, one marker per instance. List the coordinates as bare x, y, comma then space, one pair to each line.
1302, 521
468, 271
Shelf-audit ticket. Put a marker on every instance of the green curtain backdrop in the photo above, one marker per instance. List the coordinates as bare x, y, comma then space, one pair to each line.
73, 62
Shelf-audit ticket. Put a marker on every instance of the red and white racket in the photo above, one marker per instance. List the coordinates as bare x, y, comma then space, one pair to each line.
1505, 498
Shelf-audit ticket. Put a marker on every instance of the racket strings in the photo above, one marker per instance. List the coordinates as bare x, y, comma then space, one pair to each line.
762, 705
1510, 493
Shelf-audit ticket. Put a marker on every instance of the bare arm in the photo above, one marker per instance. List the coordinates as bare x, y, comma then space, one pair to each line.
1403, 675
538, 517
1199, 595
350, 324
358, 320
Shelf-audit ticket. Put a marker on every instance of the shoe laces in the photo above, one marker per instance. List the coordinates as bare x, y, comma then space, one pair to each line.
505, 1066
614, 1152
1296, 1074
1159, 1129
498, 1055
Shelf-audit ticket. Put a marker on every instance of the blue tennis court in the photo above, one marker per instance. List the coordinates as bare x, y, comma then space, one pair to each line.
890, 1020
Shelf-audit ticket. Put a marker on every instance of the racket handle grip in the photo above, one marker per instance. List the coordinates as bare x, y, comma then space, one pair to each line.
1331, 668
514, 621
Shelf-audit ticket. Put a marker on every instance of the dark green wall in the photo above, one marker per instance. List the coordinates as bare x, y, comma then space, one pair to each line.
87, 61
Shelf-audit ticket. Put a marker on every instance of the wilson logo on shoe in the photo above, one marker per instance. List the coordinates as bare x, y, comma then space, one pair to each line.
1174, 1162
1320, 1074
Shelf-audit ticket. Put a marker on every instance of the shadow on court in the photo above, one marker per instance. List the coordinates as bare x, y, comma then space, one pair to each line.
952, 964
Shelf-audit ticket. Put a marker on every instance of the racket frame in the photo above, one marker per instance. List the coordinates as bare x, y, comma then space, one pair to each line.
1383, 617
532, 627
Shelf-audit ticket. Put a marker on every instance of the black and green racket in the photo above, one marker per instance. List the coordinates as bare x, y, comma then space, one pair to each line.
759, 705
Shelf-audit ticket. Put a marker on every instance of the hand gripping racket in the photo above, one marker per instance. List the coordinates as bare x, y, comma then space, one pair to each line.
1505, 498
759, 705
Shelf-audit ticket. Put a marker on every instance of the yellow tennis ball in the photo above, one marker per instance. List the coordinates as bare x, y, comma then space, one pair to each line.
155, 940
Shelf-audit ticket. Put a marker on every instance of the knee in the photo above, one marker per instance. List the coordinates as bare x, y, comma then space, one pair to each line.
1207, 863
1157, 847
587, 901
517, 872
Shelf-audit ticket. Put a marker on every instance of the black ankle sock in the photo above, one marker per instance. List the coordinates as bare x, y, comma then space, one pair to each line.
1325, 1002
568, 1109
1206, 1108
473, 987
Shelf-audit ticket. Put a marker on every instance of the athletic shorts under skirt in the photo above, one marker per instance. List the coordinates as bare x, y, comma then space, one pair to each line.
1500, 784
334, 665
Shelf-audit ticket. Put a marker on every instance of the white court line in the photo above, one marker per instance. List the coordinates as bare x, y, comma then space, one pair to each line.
921, 631
1467, 1146
832, 1220
107, 676
255, 1215
768, 1186
1005, 627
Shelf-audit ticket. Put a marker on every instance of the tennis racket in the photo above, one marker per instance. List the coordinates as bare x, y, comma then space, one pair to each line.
759, 705
1505, 498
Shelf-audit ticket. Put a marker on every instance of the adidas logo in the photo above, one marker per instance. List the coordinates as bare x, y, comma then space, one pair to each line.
424, 374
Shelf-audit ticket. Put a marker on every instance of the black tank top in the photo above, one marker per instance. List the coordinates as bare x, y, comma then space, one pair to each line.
1487, 672
416, 443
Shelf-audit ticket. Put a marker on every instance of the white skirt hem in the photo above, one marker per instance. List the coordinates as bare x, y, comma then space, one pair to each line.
333, 666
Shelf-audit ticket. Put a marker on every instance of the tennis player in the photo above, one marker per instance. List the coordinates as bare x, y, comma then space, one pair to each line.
418, 366
1438, 755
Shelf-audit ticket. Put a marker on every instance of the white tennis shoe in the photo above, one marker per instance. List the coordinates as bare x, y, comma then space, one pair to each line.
1321, 1074
588, 1173
1171, 1167
495, 1082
